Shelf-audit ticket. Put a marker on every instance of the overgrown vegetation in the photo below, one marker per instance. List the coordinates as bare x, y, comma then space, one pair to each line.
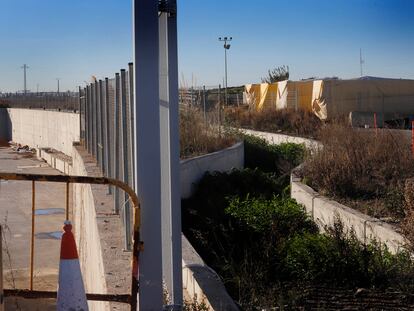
300, 123
266, 248
365, 169
199, 135
258, 241
280, 159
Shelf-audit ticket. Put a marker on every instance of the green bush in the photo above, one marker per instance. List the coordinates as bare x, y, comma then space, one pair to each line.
280, 159
282, 217
338, 258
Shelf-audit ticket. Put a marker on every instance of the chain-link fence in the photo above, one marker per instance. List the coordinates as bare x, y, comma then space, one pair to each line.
106, 120
68, 101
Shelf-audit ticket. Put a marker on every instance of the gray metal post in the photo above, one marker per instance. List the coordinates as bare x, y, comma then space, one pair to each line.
204, 104
131, 120
174, 145
147, 150
107, 134
81, 137
124, 160
90, 120
101, 128
219, 108
93, 88
116, 141
86, 117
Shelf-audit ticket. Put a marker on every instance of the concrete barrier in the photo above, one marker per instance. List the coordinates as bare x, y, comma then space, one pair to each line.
87, 234
192, 170
276, 139
200, 281
325, 211
44, 128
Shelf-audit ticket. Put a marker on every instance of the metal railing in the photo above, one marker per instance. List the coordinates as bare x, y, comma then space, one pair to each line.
130, 299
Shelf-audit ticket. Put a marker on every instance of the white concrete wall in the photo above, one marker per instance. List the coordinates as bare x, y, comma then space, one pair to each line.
87, 236
192, 170
43, 128
202, 281
276, 139
324, 212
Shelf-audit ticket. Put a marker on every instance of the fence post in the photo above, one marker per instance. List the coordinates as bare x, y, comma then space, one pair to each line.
124, 160
131, 122
86, 107
98, 124
107, 135
94, 119
101, 129
204, 104
81, 138
90, 122
219, 108
116, 142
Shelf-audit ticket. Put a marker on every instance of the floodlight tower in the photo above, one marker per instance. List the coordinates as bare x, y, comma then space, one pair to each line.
226, 47
25, 67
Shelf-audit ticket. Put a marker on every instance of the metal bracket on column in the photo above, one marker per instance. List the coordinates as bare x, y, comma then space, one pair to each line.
167, 6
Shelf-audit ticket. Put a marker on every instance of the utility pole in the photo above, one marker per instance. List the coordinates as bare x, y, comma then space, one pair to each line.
25, 67
361, 61
226, 47
58, 85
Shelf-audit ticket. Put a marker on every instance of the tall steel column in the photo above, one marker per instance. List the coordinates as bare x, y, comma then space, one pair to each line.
147, 150
170, 190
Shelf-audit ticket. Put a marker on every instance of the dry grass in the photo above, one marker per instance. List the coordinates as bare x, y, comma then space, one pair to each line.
301, 123
200, 136
362, 168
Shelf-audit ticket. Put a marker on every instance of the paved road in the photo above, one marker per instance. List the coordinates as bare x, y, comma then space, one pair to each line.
15, 216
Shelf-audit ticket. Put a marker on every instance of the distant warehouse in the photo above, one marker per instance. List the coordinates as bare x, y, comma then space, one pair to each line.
390, 100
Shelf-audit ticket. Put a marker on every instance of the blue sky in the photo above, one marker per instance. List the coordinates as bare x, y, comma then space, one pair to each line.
75, 39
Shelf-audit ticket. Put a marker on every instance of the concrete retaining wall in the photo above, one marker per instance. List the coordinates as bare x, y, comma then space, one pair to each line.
192, 170
200, 281
324, 212
87, 235
44, 129
276, 139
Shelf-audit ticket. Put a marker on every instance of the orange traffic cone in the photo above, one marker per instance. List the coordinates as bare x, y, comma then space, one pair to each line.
71, 292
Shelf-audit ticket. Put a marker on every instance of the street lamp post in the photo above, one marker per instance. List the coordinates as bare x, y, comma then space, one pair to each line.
226, 47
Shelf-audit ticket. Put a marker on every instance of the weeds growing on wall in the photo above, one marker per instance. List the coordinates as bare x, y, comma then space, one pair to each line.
301, 123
